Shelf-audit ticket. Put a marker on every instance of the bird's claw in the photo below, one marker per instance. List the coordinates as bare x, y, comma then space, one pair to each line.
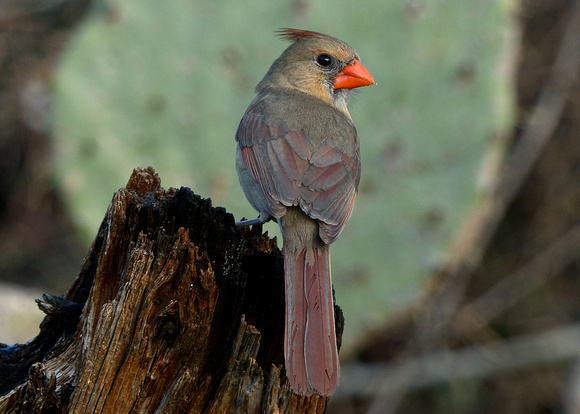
252, 222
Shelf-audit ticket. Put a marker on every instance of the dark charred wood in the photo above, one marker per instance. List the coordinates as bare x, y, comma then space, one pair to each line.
175, 310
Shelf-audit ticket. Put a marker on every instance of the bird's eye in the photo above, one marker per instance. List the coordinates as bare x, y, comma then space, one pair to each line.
323, 60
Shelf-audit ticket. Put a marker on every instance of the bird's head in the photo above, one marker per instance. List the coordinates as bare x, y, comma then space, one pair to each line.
319, 65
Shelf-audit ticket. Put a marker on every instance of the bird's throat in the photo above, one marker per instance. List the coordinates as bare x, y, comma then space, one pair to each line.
340, 99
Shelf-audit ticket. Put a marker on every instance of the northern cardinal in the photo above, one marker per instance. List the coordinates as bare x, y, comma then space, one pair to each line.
298, 162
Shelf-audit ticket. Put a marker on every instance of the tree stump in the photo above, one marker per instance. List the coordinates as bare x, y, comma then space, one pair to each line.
175, 310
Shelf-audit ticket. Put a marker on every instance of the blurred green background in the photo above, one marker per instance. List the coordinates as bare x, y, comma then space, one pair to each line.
166, 83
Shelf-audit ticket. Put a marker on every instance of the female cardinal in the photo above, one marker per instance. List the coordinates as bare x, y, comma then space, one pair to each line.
298, 162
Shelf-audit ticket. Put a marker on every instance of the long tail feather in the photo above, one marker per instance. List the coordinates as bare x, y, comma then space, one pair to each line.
312, 364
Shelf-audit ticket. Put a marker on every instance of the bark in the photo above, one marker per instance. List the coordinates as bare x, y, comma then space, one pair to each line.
175, 310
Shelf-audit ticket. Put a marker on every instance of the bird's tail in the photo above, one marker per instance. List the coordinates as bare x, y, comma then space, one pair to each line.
310, 339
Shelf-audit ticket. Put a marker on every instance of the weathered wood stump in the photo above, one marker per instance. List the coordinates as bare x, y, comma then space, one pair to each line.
175, 310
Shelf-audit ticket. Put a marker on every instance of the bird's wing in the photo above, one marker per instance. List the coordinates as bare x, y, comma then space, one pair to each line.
291, 171
329, 188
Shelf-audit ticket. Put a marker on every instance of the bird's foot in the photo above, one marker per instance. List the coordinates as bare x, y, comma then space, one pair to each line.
252, 222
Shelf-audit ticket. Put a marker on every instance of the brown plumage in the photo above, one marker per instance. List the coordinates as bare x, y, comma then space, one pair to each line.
298, 163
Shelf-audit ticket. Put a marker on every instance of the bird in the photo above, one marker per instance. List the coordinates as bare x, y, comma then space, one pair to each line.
298, 163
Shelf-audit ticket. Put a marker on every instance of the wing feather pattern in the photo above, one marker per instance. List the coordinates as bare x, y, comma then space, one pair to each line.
291, 170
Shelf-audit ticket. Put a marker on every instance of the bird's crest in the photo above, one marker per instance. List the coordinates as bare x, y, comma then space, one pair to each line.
297, 34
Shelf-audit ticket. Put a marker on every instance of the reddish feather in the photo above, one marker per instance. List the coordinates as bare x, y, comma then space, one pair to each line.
310, 335
297, 34
325, 156
320, 338
329, 232
295, 321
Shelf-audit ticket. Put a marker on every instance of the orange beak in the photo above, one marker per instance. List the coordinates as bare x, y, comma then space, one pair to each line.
353, 76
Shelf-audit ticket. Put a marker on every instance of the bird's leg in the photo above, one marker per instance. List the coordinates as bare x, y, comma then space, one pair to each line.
252, 222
